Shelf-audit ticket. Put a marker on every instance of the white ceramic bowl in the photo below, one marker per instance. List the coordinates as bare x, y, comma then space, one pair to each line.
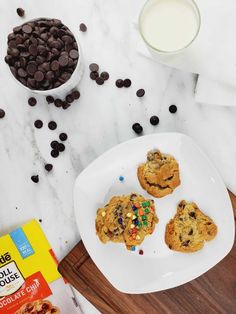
62, 90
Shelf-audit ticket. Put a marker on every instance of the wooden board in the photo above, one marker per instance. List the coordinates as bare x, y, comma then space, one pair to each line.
213, 292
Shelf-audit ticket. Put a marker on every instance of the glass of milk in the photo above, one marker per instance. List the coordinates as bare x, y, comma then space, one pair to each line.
169, 26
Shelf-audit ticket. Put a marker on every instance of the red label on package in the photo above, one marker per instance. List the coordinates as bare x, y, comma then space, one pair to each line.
34, 288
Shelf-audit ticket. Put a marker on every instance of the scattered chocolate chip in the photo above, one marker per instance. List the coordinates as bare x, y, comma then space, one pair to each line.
58, 103
38, 124
105, 75
99, 80
35, 179
61, 147
54, 144
52, 125
154, 120
173, 109
83, 27
20, 12
140, 92
137, 128
50, 99
65, 105
76, 94
69, 98
119, 83
48, 167
40, 220
54, 153
94, 67
32, 101
2, 113
63, 137
140, 252
94, 75
127, 83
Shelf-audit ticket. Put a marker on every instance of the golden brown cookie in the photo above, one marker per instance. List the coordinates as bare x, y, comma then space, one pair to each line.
126, 218
189, 229
159, 176
38, 307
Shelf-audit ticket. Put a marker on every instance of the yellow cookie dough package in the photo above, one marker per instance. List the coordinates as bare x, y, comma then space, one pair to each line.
29, 280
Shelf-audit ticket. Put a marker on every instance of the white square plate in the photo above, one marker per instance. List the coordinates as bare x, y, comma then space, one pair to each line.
159, 268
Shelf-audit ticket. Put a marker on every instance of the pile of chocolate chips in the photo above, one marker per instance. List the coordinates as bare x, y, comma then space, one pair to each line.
95, 76
42, 54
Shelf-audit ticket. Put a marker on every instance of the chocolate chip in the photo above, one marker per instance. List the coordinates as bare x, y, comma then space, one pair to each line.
69, 98
54, 153
94, 67
40, 220
58, 103
61, 147
31, 68
186, 243
140, 92
55, 65
94, 75
83, 27
74, 54
2, 113
173, 109
65, 105
20, 12
99, 80
50, 99
63, 137
127, 83
190, 232
137, 128
105, 75
35, 179
26, 28
52, 125
54, 144
32, 101
193, 215
63, 60
119, 83
76, 94
48, 167
38, 76
38, 124
21, 72
154, 120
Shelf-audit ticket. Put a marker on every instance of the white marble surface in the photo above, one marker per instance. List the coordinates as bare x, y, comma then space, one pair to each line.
99, 120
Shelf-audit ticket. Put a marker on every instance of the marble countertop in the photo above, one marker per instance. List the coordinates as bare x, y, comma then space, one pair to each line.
102, 117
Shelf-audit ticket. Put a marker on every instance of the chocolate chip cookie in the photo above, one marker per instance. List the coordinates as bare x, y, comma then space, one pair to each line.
159, 176
189, 229
38, 307
126, 219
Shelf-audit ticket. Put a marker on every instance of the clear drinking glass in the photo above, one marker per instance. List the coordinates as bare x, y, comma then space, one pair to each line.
175, 22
